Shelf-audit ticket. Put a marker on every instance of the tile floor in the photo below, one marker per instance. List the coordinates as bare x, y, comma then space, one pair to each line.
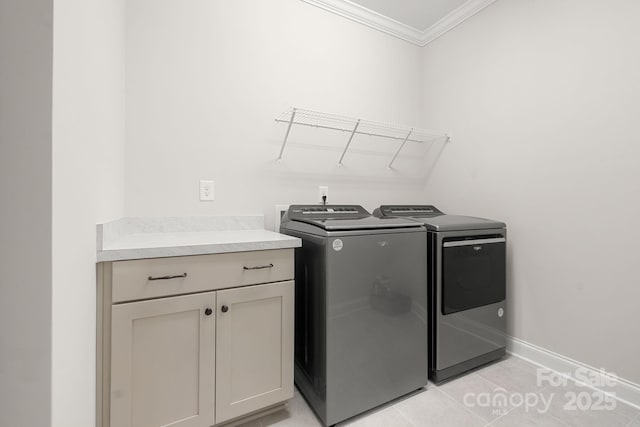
466, 402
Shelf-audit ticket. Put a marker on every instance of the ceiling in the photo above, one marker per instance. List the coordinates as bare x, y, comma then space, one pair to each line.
416, 21
419, 14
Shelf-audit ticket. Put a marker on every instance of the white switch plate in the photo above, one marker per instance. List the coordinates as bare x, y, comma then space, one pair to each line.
323, 190
207, 190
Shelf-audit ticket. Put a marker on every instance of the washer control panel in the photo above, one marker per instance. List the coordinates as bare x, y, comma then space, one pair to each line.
306, 212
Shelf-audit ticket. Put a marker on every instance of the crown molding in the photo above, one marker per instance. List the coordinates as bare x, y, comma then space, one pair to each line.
383, 23
370, 18
453, 19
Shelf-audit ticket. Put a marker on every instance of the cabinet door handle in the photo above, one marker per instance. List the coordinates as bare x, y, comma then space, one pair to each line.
259, 267
224, 308
179, 276
208, 312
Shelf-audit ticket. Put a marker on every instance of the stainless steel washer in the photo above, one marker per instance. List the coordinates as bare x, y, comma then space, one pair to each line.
466, 285
361, 308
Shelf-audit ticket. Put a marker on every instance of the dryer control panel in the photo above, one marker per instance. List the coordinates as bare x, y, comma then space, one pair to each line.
416, 211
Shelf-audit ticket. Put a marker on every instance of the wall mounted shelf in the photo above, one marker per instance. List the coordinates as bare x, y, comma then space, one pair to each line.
353, 126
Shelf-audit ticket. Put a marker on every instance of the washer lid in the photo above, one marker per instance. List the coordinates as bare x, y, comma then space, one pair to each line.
369, 223
344, 217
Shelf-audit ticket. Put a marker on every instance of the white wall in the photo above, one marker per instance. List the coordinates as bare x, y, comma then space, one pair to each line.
205, 80
25, 212
88, 187
542, 98
538, 95
186, 124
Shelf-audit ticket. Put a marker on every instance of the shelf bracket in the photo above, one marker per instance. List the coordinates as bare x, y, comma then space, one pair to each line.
353, 132
286, 135
406, 138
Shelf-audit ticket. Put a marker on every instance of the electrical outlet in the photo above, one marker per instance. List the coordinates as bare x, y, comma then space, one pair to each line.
206, 190
280, 211
323, 190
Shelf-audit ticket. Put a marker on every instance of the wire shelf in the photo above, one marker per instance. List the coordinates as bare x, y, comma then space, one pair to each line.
302, 117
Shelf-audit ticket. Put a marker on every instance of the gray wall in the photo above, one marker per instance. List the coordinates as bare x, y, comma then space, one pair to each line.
542, 99
25, 212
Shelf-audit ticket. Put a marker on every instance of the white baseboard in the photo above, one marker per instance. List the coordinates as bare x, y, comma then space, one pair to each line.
623, 390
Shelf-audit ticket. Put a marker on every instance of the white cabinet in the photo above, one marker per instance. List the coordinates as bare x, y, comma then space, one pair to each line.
254, 362
210, 356
162, 362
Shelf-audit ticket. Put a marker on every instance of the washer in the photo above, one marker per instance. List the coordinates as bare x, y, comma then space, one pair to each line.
466, 286
361, 308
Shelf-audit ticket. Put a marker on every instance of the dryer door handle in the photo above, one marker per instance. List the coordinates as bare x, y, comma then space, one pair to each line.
474, 242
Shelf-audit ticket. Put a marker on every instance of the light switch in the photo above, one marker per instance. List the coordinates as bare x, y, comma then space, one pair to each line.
206, 190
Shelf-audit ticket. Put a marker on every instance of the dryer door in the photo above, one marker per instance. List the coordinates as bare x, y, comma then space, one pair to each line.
473, 272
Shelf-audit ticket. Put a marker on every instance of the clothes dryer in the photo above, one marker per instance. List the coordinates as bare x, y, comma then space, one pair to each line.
466, 284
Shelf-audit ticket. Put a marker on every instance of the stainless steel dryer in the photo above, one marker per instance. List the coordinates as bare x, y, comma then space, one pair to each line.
466, 286
361, 317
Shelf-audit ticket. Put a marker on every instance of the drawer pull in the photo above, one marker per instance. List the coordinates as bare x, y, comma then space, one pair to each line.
259, 267
179, 276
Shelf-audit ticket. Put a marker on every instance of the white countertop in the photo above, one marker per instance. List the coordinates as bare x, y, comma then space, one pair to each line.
139, 241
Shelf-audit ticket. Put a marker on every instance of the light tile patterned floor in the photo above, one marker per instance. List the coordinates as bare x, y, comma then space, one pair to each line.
466, 402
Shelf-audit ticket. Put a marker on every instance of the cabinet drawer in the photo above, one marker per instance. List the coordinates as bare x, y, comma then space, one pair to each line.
134, 280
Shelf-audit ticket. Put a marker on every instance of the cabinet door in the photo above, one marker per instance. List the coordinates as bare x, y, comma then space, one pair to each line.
162, 362
254, 344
